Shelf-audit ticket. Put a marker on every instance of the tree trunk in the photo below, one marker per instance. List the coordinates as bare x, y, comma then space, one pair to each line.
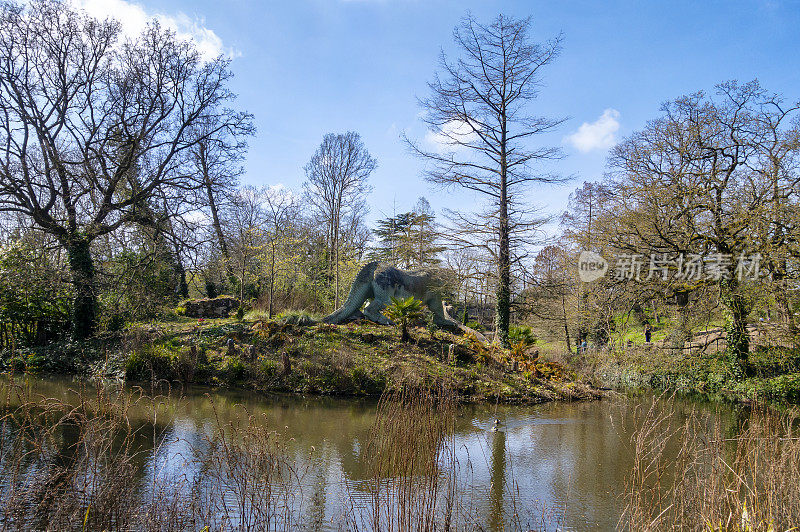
404, 336
271, 282
212, 205
566, 323
778, 277
183, 287
503, 313
84, 306
737, 339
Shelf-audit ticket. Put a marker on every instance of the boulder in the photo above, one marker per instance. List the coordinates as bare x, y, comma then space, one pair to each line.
219, 307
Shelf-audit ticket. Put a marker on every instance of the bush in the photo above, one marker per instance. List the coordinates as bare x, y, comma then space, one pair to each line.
153, 361
522, 334
234, 369
367, 383
475, 325
404, 312
116, 322
269, 368
34, 298
781, 388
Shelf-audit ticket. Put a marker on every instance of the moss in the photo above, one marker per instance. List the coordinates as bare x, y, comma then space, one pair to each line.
359, 359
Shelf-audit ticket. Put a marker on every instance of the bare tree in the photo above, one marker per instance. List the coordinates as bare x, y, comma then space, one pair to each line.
217, 161
336, 188
478, 108
280, 207
246, 234
82, 115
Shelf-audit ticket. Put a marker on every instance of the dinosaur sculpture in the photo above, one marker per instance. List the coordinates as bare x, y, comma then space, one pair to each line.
379, 282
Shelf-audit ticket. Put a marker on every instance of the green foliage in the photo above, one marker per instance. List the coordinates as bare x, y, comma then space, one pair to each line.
234, 369
783, 388
116, 322
269, 368
211, 289
408, 239
430, 325
522, 334
146, 282
770, 361
33, 294
404, 312
474, 325
152, 361
297, 317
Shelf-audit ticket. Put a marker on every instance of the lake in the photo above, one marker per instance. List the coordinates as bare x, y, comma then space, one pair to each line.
553, 465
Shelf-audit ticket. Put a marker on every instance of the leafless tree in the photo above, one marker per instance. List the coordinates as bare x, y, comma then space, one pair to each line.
336, 188
280, 207
217, 160
91, 127
478, 109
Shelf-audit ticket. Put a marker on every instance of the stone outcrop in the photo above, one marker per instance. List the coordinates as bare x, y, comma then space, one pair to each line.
219, 307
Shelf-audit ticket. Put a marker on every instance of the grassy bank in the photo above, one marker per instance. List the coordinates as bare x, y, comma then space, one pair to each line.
773, 372
358, 359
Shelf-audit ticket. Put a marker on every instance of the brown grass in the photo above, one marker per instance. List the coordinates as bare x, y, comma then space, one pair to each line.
698, 475
80, 463
77, 464
411, 458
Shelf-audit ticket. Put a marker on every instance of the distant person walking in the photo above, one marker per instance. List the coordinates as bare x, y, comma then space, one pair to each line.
647, 332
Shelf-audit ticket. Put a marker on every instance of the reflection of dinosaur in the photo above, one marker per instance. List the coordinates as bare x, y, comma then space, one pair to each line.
379, 282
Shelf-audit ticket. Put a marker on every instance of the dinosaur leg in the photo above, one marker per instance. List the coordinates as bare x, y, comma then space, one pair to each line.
373, 311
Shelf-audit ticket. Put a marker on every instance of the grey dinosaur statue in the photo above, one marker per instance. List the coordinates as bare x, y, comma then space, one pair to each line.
378, 283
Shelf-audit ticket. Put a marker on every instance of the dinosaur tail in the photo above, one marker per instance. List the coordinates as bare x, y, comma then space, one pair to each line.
360, 290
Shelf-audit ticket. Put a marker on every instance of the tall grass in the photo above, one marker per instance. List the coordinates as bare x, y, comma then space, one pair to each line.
66, 463
79, 464
696, 475
411, 463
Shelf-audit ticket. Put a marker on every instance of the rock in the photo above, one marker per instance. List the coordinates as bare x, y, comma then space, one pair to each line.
219, 307
287, 364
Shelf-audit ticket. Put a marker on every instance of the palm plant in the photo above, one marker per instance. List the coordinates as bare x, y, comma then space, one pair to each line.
402, 312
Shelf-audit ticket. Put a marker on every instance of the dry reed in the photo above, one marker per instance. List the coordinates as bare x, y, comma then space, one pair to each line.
702, 475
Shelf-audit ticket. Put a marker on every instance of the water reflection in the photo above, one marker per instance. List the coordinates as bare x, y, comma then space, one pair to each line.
552, 465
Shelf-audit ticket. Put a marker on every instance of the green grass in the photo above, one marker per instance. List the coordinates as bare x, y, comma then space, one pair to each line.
358, 359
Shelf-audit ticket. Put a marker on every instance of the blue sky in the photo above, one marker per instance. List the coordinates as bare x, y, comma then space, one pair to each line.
305, 68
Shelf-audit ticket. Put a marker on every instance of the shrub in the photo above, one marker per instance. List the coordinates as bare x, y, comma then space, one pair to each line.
474, 324
269, 368
234, 369
116, 322
152, 361
34, 298
522, 334
404, 312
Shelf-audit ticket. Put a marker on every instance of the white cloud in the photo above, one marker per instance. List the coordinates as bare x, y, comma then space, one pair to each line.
597, 135
134, 18
449, 135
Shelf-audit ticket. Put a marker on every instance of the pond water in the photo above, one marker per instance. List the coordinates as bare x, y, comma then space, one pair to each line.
564, 461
